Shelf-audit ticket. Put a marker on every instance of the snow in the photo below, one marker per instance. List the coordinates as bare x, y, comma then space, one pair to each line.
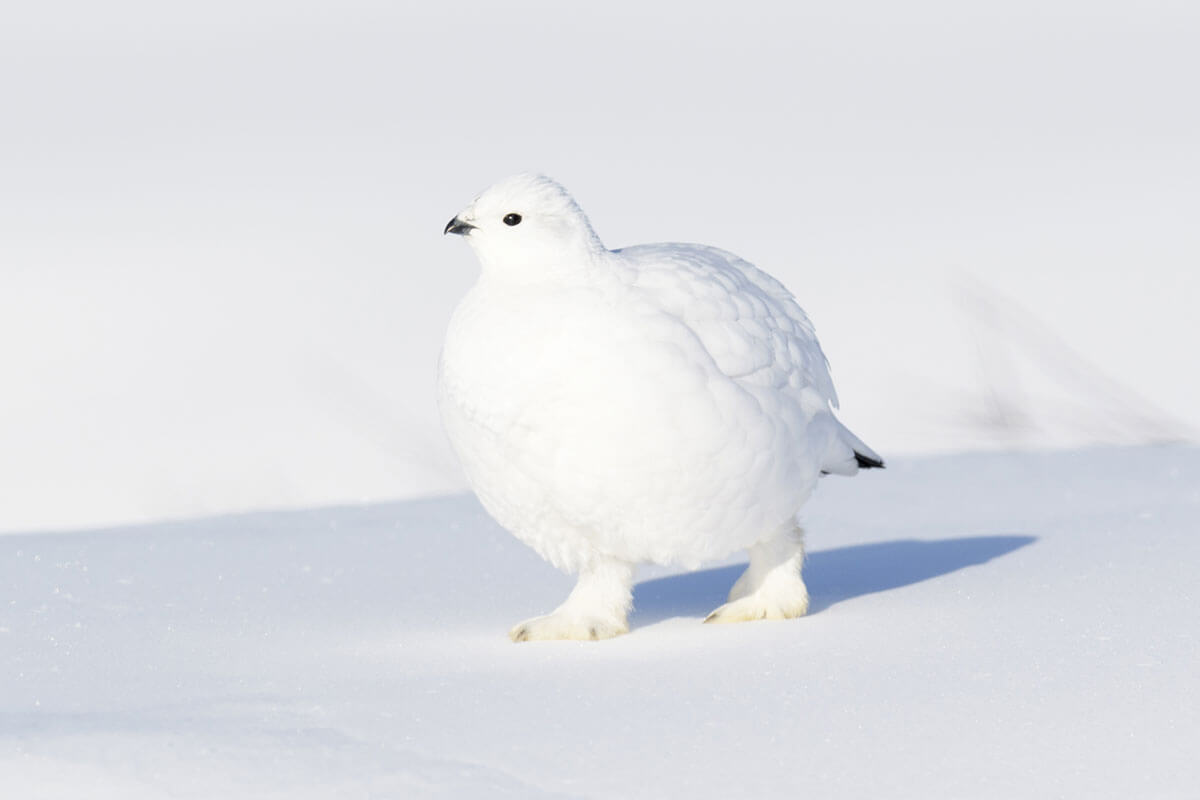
223, 284
223, 288
984, 625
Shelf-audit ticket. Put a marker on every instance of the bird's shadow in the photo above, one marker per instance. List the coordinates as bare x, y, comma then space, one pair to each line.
831, 575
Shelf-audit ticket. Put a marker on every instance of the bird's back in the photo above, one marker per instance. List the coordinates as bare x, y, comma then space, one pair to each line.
747, 320
758, 337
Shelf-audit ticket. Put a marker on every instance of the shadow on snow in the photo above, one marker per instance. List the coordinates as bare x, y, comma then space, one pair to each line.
831, 575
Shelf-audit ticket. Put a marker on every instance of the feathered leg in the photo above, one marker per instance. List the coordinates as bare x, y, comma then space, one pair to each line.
597, 608
771, 587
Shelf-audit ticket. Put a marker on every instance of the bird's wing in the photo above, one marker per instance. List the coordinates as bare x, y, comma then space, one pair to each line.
756, 334
749, 323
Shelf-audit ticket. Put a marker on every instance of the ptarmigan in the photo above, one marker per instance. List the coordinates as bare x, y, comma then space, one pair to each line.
664, 403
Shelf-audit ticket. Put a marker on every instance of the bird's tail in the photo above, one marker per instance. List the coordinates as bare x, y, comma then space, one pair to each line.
868, 462
850, 454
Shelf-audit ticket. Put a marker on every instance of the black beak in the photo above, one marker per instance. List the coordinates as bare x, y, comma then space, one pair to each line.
456, 225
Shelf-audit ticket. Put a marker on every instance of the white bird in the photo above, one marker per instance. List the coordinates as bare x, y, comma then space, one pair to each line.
665, 403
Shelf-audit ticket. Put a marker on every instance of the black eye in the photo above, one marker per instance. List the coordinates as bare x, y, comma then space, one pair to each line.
512, 219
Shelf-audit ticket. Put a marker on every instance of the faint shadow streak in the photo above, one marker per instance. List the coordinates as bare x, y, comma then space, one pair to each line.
831, 575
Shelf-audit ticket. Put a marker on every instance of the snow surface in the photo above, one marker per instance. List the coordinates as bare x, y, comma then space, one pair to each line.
223, 284
987, 625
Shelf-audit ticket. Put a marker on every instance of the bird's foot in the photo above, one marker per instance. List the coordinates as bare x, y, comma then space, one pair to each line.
597, 608
771, 586
567, 626
786, 602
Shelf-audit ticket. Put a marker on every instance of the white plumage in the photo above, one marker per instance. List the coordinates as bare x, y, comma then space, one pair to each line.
662, 403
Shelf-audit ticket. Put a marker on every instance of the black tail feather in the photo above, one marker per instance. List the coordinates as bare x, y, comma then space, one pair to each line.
866, 462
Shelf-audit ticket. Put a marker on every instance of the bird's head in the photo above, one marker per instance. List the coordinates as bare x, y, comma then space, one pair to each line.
527, 228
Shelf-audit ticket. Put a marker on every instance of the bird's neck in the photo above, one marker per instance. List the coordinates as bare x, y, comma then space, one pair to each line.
580, 261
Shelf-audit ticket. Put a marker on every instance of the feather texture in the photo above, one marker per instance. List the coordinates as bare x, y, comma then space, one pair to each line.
662, 403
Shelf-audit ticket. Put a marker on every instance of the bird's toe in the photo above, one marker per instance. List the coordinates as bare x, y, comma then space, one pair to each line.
562, 626
755, 607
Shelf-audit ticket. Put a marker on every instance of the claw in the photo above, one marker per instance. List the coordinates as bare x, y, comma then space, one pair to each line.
554, 626
752, 608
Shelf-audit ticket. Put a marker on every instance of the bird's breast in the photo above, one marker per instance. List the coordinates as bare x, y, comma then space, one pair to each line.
576, 370
613, 416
